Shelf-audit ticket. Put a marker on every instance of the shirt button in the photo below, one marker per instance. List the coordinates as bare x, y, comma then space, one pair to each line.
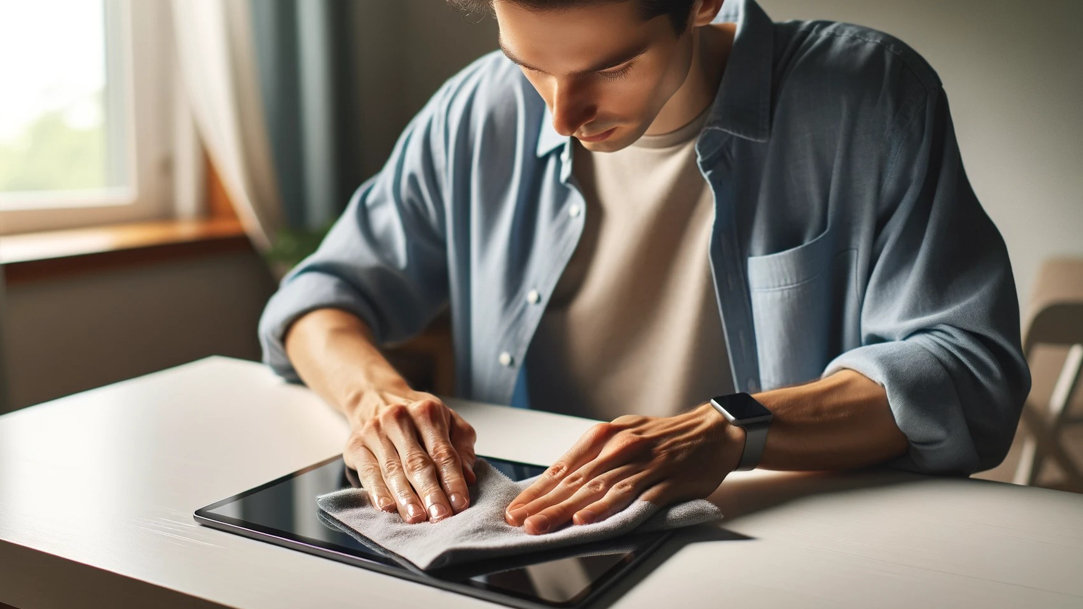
533, 297
574, 210
506, 359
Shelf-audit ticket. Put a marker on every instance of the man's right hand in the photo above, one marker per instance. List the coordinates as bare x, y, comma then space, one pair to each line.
412, 453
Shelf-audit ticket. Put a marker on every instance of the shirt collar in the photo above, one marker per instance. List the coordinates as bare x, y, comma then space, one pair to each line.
548, 138
742, 106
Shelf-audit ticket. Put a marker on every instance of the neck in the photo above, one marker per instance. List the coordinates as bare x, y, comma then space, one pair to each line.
711, 46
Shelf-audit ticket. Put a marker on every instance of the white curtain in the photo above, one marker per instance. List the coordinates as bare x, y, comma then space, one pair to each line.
218, 68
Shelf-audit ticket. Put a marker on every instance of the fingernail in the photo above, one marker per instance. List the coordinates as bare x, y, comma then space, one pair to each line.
385, 504
438, 511
584, 517
458, 501
413, 511
539, 523
516, 514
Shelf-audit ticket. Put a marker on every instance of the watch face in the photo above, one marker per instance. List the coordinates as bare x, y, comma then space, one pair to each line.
741, 409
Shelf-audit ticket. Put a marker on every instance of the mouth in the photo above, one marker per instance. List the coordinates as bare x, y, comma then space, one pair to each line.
596, 138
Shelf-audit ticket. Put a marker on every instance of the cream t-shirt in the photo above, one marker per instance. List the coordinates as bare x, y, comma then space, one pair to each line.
633, 326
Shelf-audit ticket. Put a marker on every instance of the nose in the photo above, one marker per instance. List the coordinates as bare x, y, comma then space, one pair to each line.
571, 107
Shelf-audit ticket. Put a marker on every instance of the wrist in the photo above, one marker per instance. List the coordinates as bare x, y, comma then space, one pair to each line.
728, 437
364, 400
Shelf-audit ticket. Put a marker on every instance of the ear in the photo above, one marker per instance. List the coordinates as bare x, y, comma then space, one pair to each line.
704, 12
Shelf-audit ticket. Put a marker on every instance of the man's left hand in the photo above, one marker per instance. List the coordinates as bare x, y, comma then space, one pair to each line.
661, 460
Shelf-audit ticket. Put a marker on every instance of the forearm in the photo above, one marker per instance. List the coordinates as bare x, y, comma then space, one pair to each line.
334, 354
839, 422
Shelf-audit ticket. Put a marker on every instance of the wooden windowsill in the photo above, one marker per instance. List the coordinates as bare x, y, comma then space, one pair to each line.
46, 255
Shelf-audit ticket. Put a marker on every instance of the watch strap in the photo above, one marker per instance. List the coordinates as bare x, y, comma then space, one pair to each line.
755, 440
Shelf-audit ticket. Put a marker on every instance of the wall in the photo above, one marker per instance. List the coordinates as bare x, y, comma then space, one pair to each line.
405, 50
1011, 71
77, 332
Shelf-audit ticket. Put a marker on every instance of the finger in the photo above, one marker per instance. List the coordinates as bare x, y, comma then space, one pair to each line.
463, 438
619, 497
469, 459
665, 493
434, 435
391, 470
372, 480
616, 449
593, 479
614, 487
586, 448
417, 464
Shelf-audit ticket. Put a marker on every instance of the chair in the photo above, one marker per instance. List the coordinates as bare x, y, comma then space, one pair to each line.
1055, 315
3, 367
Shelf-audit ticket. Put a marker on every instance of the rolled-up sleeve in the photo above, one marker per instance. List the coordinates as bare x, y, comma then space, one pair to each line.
384, 260
939, 321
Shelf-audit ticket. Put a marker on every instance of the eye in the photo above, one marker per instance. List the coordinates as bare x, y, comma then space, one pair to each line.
617, 73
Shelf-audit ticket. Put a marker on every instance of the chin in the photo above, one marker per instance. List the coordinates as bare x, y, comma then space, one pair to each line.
618, 141
606, 146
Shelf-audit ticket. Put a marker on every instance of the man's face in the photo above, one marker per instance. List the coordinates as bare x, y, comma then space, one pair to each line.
603, 71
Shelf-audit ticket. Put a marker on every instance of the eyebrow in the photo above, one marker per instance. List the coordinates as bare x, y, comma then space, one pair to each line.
610, 62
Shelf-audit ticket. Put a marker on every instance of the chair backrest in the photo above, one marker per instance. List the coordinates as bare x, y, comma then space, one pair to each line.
1057, 324
1054, 318
3, 366
1055, 312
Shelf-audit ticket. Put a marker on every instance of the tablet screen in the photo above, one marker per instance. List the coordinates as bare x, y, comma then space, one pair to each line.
284, 512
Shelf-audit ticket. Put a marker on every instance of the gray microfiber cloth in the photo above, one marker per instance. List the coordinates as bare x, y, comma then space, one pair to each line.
479, 532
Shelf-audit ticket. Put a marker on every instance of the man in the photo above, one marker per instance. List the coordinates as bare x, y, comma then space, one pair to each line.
640, 204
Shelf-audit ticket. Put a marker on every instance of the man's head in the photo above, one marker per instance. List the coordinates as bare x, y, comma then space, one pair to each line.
676, 10
605, 68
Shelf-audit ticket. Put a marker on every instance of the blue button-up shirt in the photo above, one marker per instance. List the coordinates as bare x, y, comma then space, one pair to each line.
845, 235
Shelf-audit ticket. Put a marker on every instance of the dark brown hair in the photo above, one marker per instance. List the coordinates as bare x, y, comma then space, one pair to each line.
676, 10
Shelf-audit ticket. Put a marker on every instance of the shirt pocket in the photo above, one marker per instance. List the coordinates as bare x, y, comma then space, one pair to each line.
802, 299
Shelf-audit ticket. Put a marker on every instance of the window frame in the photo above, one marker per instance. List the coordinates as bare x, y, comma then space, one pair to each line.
146, 60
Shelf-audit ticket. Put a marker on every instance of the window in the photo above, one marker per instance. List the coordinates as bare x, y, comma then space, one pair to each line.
85, 118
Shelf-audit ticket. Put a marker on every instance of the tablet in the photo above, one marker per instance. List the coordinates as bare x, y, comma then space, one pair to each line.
284, 512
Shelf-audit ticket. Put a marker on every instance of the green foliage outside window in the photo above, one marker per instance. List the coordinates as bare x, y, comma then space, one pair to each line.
50, 154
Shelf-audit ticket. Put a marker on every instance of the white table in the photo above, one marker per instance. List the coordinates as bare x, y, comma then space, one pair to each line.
97, 492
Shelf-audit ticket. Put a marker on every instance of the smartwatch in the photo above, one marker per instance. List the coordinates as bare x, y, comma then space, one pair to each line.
744, 411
